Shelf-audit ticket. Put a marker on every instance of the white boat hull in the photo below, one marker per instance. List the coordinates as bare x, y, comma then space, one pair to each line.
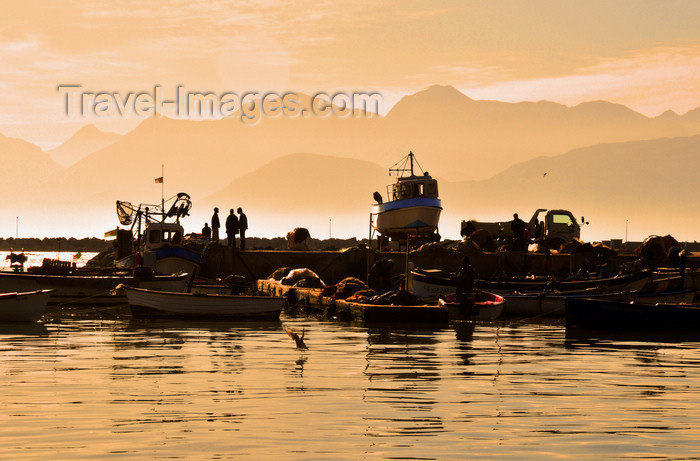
150, 303
173, 265
23, 307
424, 288
84, 289
164, 261
409, 220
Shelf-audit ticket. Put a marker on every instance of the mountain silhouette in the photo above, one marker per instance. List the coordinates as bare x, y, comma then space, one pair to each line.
478, 149
468, 139
85, 141
648, 185
25, 165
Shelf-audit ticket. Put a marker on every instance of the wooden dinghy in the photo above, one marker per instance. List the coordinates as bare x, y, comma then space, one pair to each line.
152, 303
23, 307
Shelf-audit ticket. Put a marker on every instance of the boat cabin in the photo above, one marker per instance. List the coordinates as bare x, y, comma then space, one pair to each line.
162, 234
412, 187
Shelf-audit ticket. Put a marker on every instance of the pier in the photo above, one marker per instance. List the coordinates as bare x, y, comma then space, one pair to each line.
333, 266
312, 302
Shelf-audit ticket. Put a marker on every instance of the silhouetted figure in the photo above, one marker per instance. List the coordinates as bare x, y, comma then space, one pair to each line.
674, 255
378, 198
537, 231
465, 288
215, 225
518, 229
379, 278
586, 268
206, 231
465, 279
682, 263
548, 261
242, 226
231, 228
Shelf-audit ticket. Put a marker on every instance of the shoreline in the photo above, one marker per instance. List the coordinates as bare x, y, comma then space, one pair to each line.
98, 245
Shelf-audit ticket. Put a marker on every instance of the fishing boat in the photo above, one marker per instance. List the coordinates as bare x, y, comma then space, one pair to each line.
161, 249
159, 243
434, 282
152, 303
23, 306
553, 303
86, 289
487, 306
599, 314
412, 207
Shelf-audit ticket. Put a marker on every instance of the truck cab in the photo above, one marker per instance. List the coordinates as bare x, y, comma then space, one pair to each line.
557, 225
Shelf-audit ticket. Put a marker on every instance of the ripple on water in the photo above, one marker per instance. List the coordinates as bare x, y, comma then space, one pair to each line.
90, 388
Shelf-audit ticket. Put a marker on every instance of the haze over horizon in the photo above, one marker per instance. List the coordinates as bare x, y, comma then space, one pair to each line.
474, 88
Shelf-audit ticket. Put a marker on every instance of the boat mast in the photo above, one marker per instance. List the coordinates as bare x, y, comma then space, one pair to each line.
162, 194
402, 168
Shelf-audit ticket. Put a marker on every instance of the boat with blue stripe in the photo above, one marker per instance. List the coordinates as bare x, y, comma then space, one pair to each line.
412, 207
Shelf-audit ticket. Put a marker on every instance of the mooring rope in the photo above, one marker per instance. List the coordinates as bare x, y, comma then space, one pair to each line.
82, 298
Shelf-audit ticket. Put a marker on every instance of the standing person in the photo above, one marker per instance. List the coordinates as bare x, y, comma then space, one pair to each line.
465, 286
206, 232
231, 228
215, 224
518, 229
674, 255
242, 226
379, 278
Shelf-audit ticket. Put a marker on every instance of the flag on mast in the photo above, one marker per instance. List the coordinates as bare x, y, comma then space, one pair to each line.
112, 233
159, 180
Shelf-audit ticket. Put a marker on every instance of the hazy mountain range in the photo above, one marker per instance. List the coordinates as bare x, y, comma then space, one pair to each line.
601, 160
84, 142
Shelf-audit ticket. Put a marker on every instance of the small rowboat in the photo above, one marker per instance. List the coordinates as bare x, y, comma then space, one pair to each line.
152, 303
86, 288
23, 307
487, 306
602, 314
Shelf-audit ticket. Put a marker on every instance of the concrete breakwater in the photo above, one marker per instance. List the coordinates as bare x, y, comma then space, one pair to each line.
54, 244
332, 266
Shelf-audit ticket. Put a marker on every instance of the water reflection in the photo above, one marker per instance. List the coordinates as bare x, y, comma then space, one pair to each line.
23, 329
576, 337
191, 390
464, 333
403, 369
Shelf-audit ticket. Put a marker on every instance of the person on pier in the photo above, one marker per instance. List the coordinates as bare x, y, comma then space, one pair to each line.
215, 225
517, 226
465, 288
231, 228
206, 232
242, 226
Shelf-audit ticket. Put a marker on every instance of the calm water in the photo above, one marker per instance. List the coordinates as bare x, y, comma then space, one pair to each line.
86, 388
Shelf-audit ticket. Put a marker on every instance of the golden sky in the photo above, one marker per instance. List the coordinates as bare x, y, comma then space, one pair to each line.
644, 54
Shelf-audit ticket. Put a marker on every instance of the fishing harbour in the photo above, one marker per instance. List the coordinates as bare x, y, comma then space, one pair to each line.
171, 343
